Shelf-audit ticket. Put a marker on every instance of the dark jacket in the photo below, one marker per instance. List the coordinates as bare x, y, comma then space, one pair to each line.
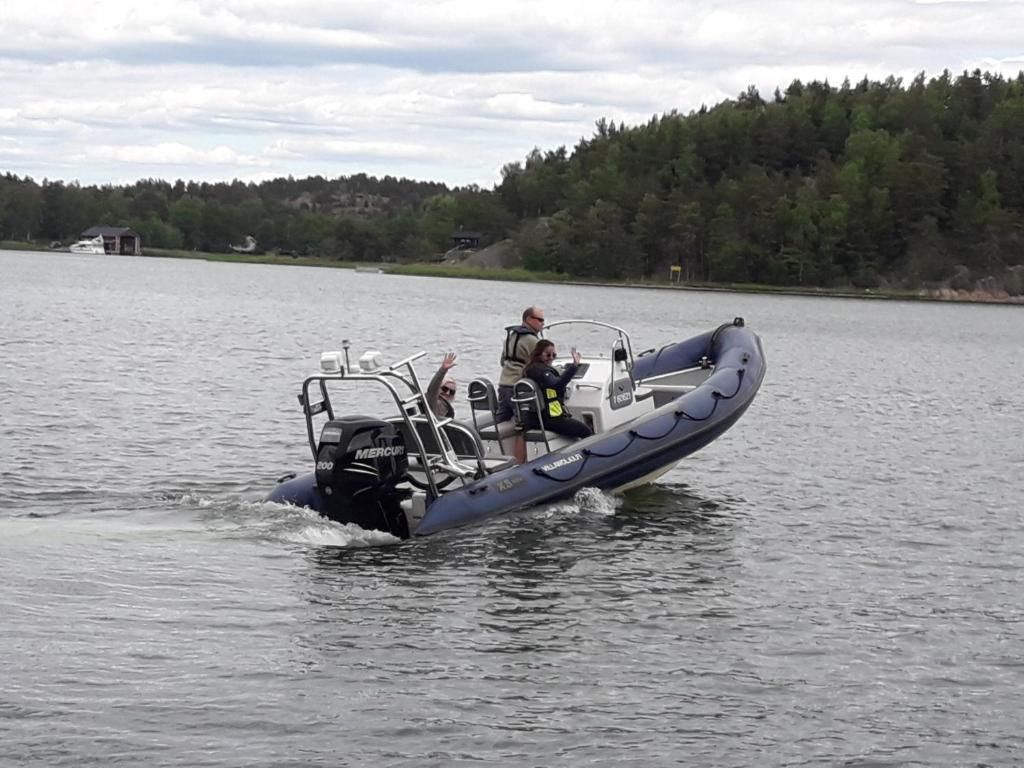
552, 387
441, 407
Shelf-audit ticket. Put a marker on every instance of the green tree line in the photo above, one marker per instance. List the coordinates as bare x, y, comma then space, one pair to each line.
867, 184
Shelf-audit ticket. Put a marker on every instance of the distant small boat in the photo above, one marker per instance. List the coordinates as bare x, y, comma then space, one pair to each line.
249, 247
370, 270
92, 245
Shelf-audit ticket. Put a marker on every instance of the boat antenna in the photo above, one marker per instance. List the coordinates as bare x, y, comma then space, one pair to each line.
345, 345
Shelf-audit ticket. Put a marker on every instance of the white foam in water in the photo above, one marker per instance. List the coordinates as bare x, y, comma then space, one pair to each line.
320, 532
596, 501
191, 498
588, 501
338, 535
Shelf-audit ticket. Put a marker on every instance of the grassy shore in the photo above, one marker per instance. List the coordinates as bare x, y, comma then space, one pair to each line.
15, 245
478, 273
522, 275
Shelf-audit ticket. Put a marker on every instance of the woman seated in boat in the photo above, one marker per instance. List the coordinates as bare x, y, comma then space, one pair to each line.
441, 390
552, 390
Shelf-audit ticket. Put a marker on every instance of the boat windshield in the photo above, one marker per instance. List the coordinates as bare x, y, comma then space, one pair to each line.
591, 338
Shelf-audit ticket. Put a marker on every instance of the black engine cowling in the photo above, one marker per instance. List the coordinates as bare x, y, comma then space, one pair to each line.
359, 462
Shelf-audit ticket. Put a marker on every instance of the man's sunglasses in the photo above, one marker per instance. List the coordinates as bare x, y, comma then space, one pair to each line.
448, 390
538, 319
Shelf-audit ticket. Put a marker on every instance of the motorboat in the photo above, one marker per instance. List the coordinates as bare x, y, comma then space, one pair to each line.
249, 246
410, 473
92, 245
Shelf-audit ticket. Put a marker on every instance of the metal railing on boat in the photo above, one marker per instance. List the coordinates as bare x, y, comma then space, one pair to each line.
413, 410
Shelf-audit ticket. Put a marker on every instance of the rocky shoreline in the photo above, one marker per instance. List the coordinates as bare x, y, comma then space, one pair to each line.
1005, 287
986, 297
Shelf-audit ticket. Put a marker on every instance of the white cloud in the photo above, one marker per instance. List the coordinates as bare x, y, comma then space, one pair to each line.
168, 153
525, 106
118, 89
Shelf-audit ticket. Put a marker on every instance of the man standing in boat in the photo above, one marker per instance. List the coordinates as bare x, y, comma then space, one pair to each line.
515, 354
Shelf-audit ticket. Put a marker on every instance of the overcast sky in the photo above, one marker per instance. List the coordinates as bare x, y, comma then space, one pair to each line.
113, 91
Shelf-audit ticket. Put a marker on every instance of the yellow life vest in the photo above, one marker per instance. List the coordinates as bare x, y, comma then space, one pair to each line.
554, 405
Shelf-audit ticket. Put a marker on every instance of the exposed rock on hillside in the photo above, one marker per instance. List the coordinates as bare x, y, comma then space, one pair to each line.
341, 203
1006, 286
499, 255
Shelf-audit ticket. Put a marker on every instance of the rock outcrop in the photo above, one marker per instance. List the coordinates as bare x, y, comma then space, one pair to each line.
1004, 287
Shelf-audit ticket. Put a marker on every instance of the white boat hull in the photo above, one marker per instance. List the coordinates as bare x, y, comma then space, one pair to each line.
92, 246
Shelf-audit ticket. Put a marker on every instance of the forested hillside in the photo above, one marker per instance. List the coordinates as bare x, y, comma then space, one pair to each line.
867, 184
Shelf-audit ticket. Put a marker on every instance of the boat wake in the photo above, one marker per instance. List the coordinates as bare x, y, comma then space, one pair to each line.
295, 525
343, 536
299, 525
233, 516
281, 523
588, 501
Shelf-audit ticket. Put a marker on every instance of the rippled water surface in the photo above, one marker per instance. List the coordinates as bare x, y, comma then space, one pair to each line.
836, 581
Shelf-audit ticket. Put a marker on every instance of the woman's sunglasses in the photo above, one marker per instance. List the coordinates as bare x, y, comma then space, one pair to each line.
448, 390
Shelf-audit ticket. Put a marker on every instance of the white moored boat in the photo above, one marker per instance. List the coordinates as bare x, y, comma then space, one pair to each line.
249, 246
89, 245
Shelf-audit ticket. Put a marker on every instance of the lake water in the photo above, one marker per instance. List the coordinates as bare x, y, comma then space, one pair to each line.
836, 581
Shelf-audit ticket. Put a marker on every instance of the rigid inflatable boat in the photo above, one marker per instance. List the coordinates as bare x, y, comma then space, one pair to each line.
411, 473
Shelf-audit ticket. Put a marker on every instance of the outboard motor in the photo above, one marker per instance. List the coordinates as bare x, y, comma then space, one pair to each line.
359, 462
